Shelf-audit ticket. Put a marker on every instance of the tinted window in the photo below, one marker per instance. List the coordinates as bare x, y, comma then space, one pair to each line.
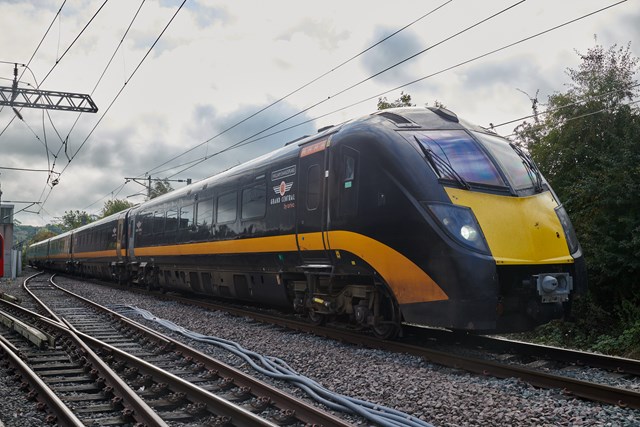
186, 216
171, 223
254, 201
512, 165
204, 213
314, 182
463, 154
227, 207
348, 191
158, 222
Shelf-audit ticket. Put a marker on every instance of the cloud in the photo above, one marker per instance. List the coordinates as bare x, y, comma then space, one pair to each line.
390, 52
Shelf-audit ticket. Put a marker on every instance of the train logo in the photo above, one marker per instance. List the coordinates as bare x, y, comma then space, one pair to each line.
283, 188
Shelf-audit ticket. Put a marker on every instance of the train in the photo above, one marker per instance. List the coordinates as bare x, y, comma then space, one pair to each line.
404, 216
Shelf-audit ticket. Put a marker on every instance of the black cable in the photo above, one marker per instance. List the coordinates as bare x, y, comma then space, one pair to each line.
249, 140
118, 94
300, 88
65, 52
370, 77
492, 126
107, 66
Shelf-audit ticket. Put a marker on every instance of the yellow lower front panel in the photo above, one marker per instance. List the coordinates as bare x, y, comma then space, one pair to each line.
518, 230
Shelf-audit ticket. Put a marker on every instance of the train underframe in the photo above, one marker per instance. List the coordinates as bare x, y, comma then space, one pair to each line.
362, 301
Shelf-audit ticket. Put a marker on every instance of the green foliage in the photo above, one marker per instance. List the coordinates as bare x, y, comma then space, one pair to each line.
403, 101
588, 147
74, 219
115, 206
42, 234
614, 332
159, 188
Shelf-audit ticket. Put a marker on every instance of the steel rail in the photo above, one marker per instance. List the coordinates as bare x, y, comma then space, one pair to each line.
64, 415
142, 412
582, 358
240, 417
37, 300
584, 389
303, 411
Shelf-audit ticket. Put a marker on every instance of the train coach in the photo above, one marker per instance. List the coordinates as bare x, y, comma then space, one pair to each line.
407, 215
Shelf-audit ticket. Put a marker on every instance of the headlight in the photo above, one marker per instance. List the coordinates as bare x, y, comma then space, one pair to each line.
569, 232
460, 223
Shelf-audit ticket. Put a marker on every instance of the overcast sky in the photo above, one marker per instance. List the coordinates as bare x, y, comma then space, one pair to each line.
221, 62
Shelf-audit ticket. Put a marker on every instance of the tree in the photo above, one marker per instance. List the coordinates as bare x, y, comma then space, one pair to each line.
41, 234
115, 206
159, 188
74, 219
588, 147
403, 101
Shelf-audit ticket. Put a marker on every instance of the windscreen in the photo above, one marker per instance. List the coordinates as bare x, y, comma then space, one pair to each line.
511, 163
462, 154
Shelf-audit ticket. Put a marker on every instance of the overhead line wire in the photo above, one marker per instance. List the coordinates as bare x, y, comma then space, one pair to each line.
285, 96
370, 77
62, 56
246, 141
41, 41
108, 65
119, 92
303, 86
551, 110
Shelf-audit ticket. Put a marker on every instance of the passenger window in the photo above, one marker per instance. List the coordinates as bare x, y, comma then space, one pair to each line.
158, 222
314, 181
186, 217
171, 223
227, 208
204, 214
254, 201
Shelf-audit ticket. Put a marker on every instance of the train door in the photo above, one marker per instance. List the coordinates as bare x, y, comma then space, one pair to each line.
131, 232
1, 256
311, 223
119, 238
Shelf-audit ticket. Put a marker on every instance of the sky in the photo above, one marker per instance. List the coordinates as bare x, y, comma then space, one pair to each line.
259, 74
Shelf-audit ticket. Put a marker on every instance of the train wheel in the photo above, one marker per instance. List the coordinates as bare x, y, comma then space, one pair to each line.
316, 318
387, 309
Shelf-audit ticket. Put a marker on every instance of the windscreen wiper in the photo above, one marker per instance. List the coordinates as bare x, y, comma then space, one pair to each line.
440, 165
531, 167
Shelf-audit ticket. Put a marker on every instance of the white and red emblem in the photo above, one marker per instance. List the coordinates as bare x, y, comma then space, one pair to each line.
283, 188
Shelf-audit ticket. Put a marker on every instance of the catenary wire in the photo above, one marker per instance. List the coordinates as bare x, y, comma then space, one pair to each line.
460, 64
40, 43
285, 96
119, 93
108, 64
301, 87
333, 96
247, 141
563, 106
62, 56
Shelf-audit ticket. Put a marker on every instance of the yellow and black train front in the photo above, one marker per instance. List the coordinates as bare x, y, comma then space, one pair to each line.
474, 236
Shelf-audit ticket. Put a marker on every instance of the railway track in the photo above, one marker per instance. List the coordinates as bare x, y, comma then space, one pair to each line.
174, 385
417, 345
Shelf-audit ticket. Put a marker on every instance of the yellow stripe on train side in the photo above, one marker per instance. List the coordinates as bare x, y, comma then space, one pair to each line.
409, 282
518, 230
